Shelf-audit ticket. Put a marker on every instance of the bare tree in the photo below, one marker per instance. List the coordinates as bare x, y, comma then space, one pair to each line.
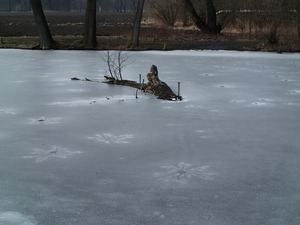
90, 39
280, 10
298, 18
115, 62
46, 40
166, 11
137, 24
206, 23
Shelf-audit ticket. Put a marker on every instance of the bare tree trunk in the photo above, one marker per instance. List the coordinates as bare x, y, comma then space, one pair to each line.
200, 23
209, 27
137, 24
277, 20
298, 18
46, 40
212, 17
90, 39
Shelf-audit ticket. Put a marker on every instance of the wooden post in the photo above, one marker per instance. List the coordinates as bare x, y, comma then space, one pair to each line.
178, 89
142, 85
140, 80
136, 93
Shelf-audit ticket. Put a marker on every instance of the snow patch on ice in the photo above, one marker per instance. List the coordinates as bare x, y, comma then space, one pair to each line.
105, 100
292, 104
9, 111
202, 132
15, 218
266, 100
237, 101
77, 90
108, 138
60, 84
208, 75
263, 102
182, 172
159, 215
225, 86
294, 92
79, 102
19, 81
191, 106
44, 120
287, 80
41, 155
259, 103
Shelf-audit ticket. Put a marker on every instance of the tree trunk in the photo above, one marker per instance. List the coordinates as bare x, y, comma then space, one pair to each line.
298, 18
90, 40
137, 24
200, 23
212, 17
211, 26
277, 20
46, 40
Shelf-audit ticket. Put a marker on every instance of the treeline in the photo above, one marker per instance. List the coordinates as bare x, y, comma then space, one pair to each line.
70, 5
268, 17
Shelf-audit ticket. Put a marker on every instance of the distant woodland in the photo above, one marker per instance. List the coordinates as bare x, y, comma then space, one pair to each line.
275, 19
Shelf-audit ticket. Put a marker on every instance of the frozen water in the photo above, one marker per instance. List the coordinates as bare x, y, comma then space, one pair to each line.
55, 151
110, 138
74, 152
14, 218
183, 171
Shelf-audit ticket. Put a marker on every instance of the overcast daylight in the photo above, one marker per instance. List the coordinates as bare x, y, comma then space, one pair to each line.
146, 112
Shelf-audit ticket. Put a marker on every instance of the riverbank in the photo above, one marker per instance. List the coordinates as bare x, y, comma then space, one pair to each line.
18, 31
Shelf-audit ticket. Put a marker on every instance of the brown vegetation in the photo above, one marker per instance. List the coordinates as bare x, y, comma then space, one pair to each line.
18, 30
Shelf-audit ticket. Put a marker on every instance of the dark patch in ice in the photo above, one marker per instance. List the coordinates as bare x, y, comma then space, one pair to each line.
266, 100
108, 138
225, 86
41, 155
259, 103
184, 171
237, 101
44, 120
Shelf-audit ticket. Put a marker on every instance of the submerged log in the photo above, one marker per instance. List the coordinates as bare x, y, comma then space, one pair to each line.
154, 85
158, 87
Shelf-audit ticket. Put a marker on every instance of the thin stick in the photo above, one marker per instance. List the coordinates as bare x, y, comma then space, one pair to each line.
142, 85
140, 80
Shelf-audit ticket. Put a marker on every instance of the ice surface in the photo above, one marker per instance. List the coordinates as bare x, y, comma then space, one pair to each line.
75, 152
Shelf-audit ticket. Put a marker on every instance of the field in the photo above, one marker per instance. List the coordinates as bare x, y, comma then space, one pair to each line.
17, 30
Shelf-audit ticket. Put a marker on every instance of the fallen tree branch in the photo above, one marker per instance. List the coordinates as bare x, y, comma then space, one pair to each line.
155, 86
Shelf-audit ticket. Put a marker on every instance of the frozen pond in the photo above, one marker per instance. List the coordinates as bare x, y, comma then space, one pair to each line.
88, 153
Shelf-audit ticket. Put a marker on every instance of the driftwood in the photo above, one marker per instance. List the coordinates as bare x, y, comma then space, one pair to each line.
154, 85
